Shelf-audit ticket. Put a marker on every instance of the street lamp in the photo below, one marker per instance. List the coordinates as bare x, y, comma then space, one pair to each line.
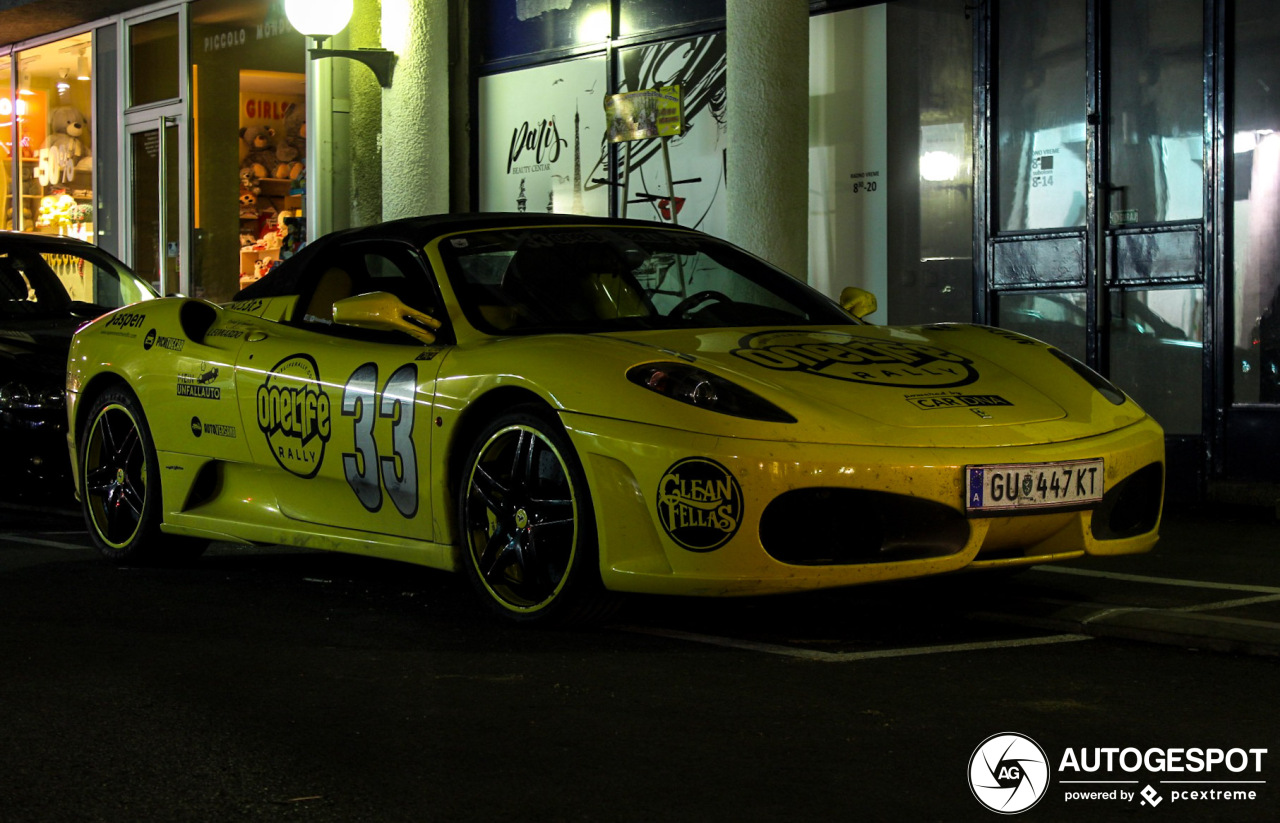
322, 19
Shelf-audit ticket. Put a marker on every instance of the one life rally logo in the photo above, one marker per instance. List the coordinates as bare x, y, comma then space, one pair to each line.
1008, 773
699, 504
293, 413
856, 359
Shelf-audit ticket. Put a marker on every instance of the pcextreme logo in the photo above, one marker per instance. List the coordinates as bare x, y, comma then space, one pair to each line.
1010, 773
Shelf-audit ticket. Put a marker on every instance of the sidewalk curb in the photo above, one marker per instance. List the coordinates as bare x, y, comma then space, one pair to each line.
1163, 626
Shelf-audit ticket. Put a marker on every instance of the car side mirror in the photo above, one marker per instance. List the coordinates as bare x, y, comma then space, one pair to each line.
384, 311
858, 302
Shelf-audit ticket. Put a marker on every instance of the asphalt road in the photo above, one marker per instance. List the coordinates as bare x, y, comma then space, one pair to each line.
274, 684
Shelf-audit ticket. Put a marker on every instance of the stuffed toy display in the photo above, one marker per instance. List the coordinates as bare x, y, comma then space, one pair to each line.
260, 155
248, 203
291, 153
65, 145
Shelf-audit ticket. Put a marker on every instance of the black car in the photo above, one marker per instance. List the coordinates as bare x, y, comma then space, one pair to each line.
49, 286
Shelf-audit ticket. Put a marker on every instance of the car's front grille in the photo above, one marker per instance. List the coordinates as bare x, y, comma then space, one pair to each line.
833, 526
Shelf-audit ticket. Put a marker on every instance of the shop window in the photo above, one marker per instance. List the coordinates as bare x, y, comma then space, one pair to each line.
153, 61
1255, 196
1057, 318
10, 110
698, 66
637, 17
1156, 128
1157, 353
51, 135
848, 152
547, 146
248, 96
514, 28
106, 141
1040, 150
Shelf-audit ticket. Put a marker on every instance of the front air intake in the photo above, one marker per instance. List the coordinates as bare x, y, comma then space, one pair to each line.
1132, 507
834, 527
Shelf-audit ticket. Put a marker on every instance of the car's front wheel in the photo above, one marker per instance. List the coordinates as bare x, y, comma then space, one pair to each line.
120, 484
525, 516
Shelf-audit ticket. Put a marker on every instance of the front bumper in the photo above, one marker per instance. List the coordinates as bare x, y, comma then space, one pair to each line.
669, 523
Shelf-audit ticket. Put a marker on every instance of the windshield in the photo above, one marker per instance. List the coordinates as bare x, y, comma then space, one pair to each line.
45, 278
588, 279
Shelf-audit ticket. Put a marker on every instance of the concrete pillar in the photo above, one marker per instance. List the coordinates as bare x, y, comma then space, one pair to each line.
415, 110
366, 119
767, 76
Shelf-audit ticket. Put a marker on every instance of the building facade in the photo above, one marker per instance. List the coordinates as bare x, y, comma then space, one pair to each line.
1100, 174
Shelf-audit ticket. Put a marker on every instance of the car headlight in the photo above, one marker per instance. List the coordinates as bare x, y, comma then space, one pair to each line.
15, 396
692, 385
1104, 386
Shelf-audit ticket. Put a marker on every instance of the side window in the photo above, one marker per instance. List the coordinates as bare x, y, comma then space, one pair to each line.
14, 284
365, 267
90, 281
396, 268
27, 285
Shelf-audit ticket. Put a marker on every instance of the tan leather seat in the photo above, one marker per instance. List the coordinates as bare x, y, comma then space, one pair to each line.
334, 285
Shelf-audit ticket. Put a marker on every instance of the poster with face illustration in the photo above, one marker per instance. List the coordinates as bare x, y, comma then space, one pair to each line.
541, 139
697, 66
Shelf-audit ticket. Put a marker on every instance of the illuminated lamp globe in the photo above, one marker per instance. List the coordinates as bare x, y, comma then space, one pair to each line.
319, 18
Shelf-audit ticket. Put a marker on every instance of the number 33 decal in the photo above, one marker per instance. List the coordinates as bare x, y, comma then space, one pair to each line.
399, 472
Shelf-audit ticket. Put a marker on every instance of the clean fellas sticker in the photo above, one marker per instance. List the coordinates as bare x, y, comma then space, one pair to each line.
699, 504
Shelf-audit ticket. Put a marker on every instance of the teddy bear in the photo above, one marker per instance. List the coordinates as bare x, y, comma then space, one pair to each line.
260, 150
68, 132
248, 203
291, 152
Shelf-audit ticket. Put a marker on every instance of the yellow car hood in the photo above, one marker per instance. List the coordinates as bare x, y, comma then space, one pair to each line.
927, 386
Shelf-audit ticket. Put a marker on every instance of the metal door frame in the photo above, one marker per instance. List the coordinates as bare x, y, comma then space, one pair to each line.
157, 115
1100, 266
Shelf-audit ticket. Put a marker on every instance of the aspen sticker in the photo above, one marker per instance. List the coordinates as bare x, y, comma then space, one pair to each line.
293, 413
699, 504
857, 359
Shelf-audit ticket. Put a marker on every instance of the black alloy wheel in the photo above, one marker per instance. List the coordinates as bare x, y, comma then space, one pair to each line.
120, 484
527, 527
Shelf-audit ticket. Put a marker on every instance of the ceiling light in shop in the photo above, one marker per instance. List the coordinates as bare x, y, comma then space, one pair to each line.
939, 166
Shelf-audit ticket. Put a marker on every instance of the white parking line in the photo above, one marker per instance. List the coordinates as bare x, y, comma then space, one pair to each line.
35, 541
1228, 604
1163, 581
849, 657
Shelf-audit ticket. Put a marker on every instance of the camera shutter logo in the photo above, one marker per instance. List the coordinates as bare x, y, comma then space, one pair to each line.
1008, 773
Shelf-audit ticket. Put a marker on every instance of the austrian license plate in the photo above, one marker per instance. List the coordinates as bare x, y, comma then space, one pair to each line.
1028, 486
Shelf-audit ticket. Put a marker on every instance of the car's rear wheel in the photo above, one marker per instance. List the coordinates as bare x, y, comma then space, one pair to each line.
120, 484
525, 517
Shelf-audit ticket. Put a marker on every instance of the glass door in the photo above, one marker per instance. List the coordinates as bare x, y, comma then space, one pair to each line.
1251, 416
1096, 239
156, 230
157, 225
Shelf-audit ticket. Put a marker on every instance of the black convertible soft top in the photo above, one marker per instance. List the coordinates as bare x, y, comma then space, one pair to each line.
284, 279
